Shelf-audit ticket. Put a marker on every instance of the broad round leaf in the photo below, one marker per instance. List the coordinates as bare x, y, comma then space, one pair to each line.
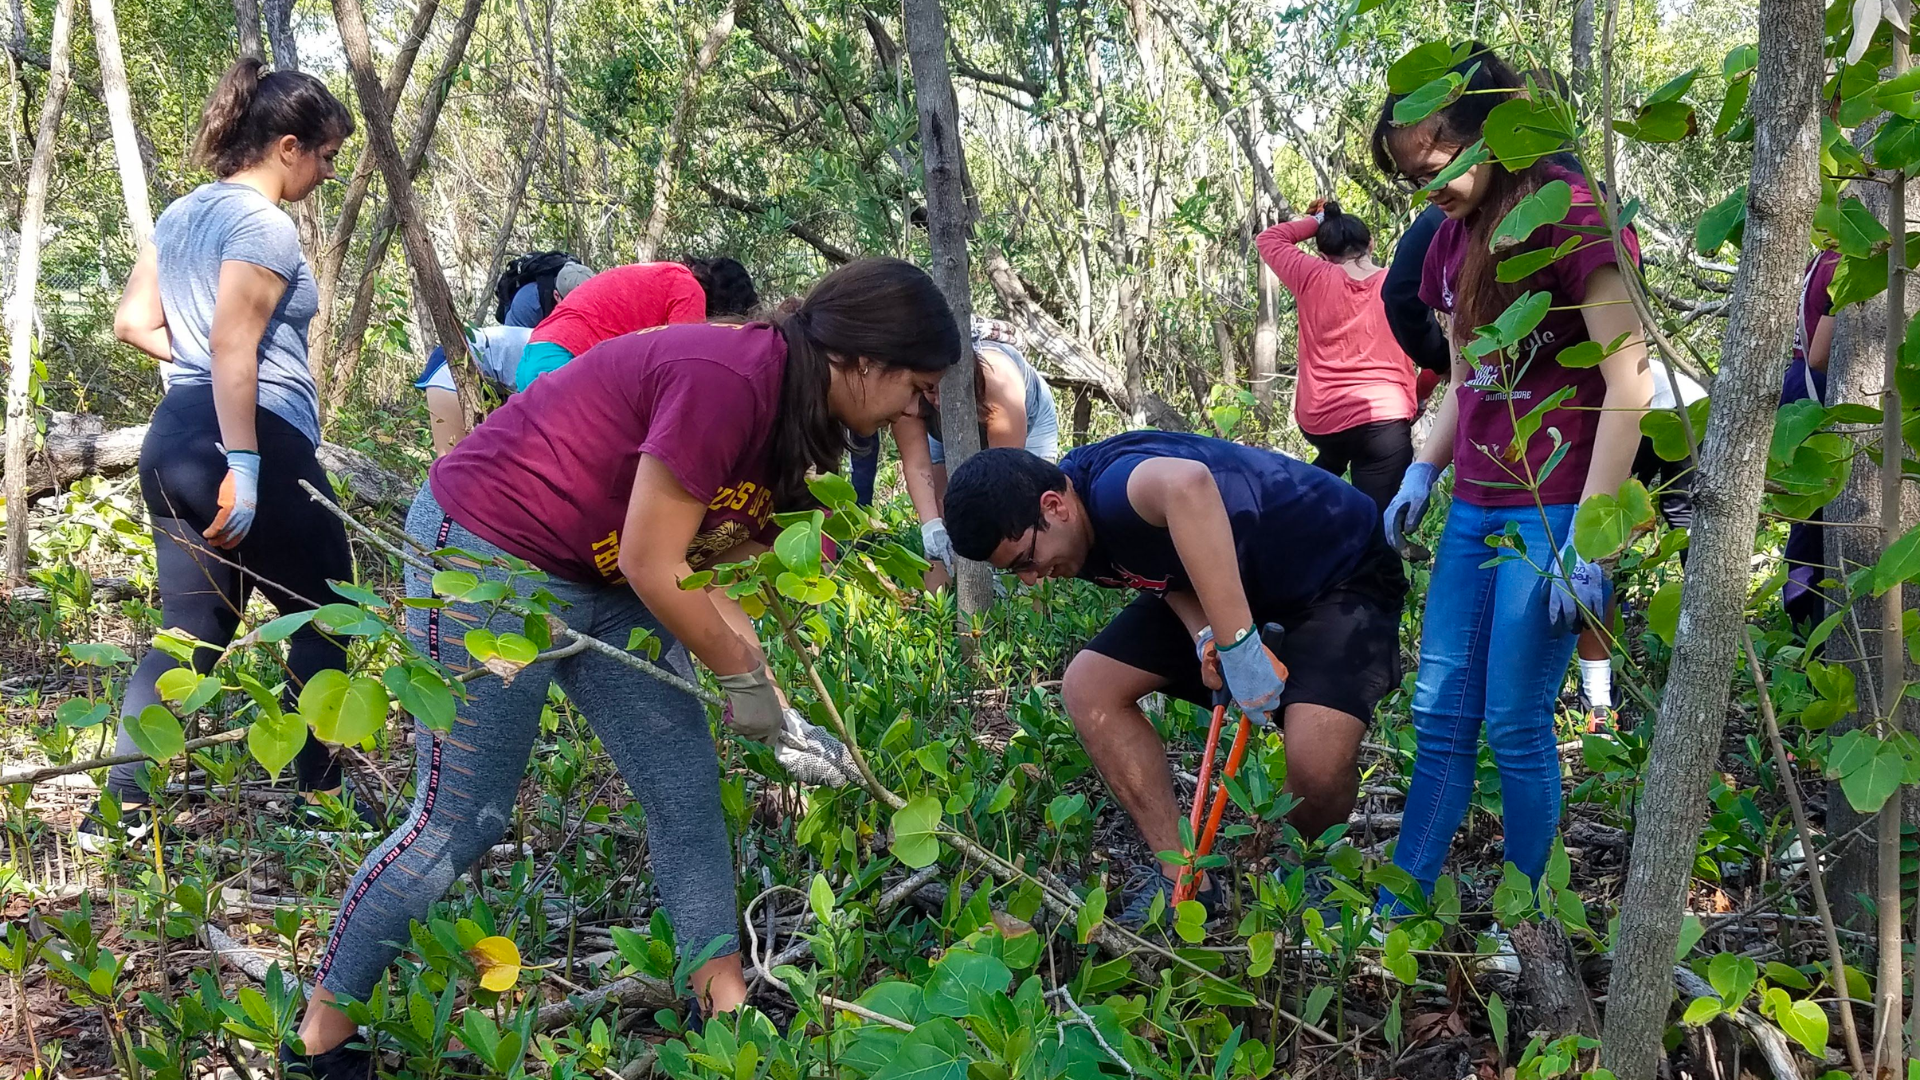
1600, 527
156, 733
422, 692
498, 961
362, 713
1726, 221
81, 712
276, 740
1663, 612
915, 841
320, 700
1419, 66
1428, 99
1547, 206
1521, 131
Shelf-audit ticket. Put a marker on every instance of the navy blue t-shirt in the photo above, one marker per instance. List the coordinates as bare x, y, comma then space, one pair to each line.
1297, 529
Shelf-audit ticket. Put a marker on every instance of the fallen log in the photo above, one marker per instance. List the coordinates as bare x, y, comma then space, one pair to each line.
80, 444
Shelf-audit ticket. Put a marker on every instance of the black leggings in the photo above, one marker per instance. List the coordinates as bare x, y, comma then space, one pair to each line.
1378, 453
291, 551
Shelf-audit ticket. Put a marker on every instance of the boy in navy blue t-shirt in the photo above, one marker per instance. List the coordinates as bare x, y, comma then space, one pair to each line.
1219, 539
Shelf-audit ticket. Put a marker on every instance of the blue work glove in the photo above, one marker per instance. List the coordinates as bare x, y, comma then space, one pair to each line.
239, 497
1578, 591
1255, 677
1409, 505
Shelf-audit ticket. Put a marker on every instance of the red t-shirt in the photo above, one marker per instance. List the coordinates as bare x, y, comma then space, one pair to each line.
1486, 414
549, 475
1352, 371
620, 301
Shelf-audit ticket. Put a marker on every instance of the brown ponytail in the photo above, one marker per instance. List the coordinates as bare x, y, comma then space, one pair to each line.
887, 311
253, 107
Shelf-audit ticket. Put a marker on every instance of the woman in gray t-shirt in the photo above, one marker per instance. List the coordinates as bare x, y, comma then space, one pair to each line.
224, 294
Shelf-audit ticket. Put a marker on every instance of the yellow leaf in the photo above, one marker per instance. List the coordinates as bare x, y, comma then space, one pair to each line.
499, 962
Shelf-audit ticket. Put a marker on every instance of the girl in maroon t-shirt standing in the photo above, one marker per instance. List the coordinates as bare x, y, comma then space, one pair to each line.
1497, 638
648, 457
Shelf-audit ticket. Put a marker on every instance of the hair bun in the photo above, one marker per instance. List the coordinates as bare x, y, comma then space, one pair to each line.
1330, 209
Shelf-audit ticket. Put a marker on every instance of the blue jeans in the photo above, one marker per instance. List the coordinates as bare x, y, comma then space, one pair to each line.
865, 466
1487, 658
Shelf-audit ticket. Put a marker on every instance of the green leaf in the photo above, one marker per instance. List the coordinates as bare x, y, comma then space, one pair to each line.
1260, 953
1900, 563
276, 740
283, 627
1093, 911
1740, 58
923, 1055
1732, 976
1467, 159
1663, 612
1854, 229
1732, 106
480, 643
361, 712
1668, 434
1397, 958
321, 697
96, 654
1190, 921
1674, 87
798, 545
1726, 221
156, 733
1428, 99
1321, 997
820, 898
1700, 1011
1525, 427
1601, 527
1869, 770
1525, 265
1660, 122
1497, 1021
959, 975
1547, 206
1691, 931
833, 491
1805, 1023
175, 684
1419, 66
1792, 425
423, 693
1897, 144
1900, 95
915, 840
81, 712
1856, 280
1521, 131
347, 619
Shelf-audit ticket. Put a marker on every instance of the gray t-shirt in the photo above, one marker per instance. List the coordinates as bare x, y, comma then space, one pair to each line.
214, 224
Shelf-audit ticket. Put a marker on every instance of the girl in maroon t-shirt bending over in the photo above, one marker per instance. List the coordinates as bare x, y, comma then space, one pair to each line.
1497, 638
648, 457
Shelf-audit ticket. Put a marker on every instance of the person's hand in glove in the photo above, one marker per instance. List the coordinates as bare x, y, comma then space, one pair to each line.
1578, 591
753, 705
933, 540
1409, 505
239, 497
812, 754
1252, 673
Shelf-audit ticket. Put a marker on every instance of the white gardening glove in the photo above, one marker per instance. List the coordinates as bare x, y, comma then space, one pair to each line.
933, 539
811, 754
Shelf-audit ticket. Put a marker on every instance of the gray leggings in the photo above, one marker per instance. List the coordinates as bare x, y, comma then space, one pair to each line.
467, 780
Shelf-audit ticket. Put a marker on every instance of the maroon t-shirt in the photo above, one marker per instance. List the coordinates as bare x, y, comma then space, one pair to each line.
548, 476
1816, 299
1487, 411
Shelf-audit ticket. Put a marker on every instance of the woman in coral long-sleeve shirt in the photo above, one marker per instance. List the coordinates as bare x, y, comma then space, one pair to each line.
1355, 397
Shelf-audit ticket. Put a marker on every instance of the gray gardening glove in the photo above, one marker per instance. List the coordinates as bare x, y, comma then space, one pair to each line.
811, 754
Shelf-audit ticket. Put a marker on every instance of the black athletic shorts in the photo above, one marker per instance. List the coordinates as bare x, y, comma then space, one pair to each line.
1342, 651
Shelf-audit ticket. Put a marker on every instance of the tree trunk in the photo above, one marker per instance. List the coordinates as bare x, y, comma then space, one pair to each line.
1082, 415
1782, 193
430, 284
126, 143
674, 145
949, 225
1580, 51
286, 47
1265, 368
26, 280
333, 255
246, 19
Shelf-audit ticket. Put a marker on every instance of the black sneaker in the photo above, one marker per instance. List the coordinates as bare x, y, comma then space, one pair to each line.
343, 1062
95, 836
1153, 884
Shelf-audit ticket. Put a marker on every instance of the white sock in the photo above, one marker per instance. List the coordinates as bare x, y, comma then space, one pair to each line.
1596, 683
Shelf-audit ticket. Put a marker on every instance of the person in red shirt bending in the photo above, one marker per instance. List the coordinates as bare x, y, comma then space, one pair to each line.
1355, 398
637, 297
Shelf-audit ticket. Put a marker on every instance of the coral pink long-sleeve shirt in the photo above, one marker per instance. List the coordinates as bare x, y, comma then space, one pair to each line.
1352, 372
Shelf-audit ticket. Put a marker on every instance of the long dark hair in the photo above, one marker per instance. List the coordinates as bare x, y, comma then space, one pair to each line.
728, 286
1479, 295
884, 310
1341, 236
252, 107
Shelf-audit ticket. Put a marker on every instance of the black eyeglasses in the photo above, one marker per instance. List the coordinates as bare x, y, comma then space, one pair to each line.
1025, 562
1414, 185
